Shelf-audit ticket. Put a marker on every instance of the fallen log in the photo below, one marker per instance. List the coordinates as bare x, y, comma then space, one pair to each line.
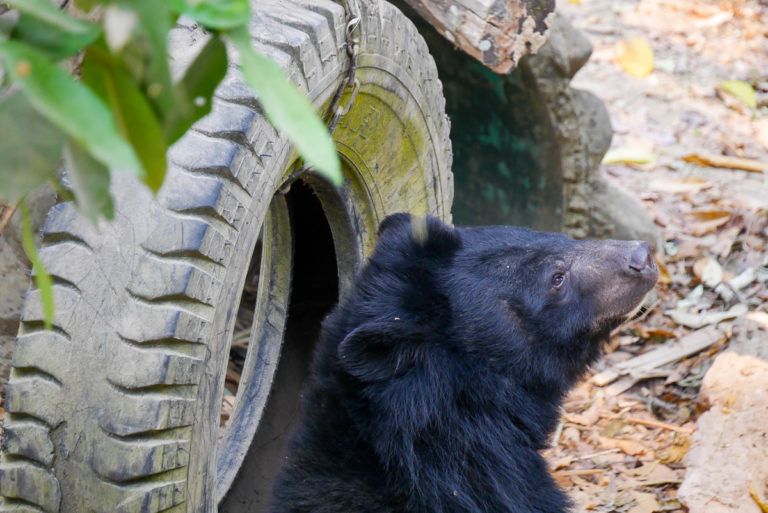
495, 32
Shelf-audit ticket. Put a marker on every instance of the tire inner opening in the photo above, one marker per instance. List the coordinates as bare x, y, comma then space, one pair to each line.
314, 293
240, 337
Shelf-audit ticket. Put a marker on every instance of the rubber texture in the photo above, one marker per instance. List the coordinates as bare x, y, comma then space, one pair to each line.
115, 409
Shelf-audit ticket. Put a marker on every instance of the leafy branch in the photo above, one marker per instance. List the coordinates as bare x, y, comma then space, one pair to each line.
125, 111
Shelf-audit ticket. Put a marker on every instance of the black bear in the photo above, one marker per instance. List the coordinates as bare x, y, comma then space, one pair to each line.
440, 375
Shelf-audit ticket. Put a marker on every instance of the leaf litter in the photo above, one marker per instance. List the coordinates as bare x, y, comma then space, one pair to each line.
703, 146
624, 440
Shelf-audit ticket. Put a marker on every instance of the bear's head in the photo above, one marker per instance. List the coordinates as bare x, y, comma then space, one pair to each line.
537, 305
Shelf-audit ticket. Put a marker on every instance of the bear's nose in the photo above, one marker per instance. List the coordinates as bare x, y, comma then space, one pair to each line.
641, 258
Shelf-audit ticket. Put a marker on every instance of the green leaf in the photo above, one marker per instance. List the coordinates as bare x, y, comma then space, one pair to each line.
741, 90
134, 116
46, 11
89, 181
86, 5
42, 278
69, 105
196, 87
215, 14
30, 147
154, 24
50, 38
287, 108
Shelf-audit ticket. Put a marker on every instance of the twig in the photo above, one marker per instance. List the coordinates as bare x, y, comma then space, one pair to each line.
579, 472
558, 432
7, 217
662, 482
655, 401
756, 498
662, 425
596, 454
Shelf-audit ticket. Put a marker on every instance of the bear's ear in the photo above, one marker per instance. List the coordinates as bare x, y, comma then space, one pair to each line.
426, 232
394, 222
377, 351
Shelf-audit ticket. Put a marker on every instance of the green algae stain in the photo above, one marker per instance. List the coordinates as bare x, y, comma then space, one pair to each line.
387, 146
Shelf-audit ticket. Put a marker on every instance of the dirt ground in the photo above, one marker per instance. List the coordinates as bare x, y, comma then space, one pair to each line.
622, 447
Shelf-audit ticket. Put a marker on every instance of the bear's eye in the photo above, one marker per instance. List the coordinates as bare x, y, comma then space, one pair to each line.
557, 280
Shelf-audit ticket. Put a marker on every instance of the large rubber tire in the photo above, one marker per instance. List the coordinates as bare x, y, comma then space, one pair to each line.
116, 409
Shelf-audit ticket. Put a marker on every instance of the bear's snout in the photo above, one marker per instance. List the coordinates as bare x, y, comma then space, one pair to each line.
616, 276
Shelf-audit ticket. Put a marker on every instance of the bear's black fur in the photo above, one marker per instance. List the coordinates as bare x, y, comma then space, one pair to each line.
439, 377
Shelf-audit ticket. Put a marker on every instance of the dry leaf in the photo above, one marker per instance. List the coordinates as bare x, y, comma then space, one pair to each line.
227, 406
646, 503
759, 317
626, 446
741, 90
698, 320
630, 447
725, 241
562, 462
675, 452
707, 160
562, 481
613, 428
622, 498
643, 470
689, 247
661, 474
744, 279
664, 276
635, 56
710, 214
625, 155
713, 21
761, 130
570, 438
659, 333
707, 221
590, 415
687, 185
708, 271
681, 370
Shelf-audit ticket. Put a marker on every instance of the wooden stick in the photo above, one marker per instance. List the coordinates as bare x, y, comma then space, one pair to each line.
658, 424
647, 364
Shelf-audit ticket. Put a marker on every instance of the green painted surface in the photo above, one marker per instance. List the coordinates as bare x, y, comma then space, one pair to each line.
506, 158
